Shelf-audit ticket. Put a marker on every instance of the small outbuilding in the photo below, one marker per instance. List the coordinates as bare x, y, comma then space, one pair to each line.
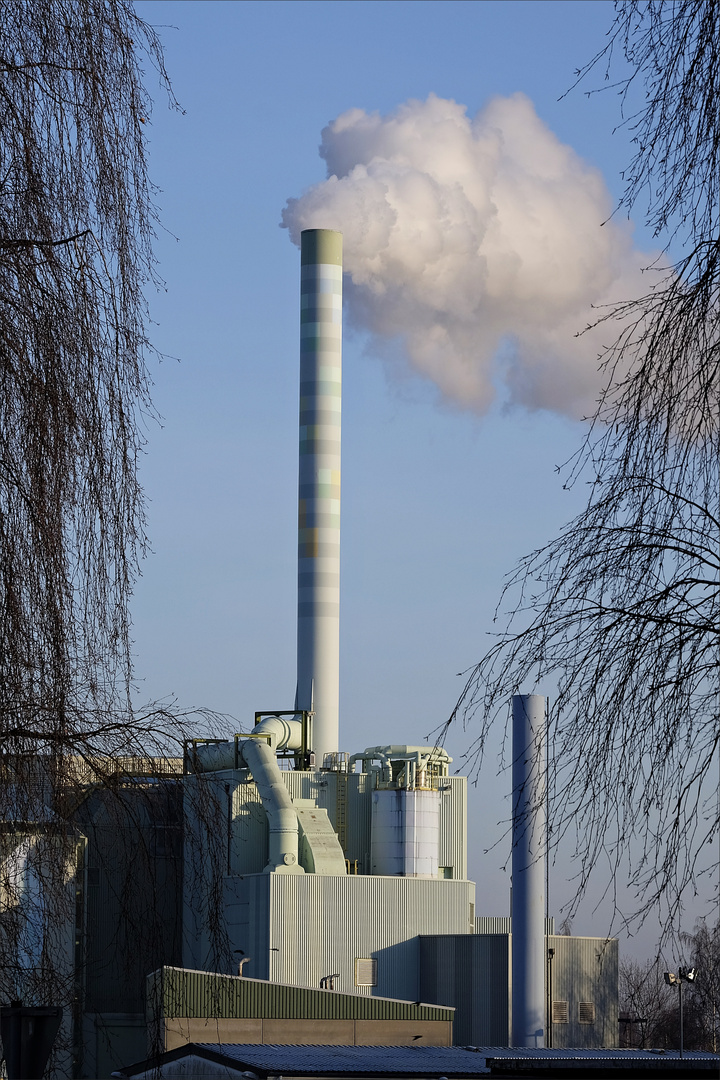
202, 1007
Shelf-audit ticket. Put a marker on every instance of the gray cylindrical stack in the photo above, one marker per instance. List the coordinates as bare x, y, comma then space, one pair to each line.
318, 635
528, 871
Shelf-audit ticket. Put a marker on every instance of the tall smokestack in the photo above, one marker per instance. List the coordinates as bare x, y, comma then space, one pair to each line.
318, 631
528, 871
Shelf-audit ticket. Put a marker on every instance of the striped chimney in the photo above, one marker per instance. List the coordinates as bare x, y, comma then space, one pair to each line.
318, 630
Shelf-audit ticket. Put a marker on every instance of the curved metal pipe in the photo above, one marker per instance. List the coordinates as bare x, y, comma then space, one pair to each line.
257, 751
281, 734
284, 734
282, 818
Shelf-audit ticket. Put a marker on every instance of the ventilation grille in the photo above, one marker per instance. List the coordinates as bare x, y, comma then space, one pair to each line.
560, 1012
587, 1012
365, 971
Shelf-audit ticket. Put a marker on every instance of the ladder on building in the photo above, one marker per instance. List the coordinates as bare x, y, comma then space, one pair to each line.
341, 789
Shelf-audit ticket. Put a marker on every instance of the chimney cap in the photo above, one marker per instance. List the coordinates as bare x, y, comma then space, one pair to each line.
320, 246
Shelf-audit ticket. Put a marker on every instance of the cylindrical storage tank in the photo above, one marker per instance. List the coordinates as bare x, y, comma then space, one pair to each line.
318, 629
405, 836
528, 870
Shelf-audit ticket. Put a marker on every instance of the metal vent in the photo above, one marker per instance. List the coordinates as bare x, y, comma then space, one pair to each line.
587, 1012
560, 1012
365, 971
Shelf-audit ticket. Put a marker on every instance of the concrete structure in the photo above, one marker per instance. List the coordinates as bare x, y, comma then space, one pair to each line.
529, 844
318, 623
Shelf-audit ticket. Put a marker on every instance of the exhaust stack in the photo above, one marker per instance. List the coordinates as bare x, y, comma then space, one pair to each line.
318, 627
528, 870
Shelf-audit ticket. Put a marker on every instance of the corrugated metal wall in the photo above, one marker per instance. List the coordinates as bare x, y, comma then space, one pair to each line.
453, 826
133, 910
176, 992
318, 786
471, 973
359, 818
492, 924
207, 831
502, 924
585, 969
246, 923
320, 925
248, 852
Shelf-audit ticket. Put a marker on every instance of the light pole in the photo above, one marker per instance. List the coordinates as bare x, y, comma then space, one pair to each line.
683, 975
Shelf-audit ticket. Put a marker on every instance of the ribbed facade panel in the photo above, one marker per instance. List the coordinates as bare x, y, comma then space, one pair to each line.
470, 973
492, 924
246, 912
321, 925
453, 825
248, 852
177, 992
474, 975
585, 969
359, 814
502, 924
125, 923
320, 787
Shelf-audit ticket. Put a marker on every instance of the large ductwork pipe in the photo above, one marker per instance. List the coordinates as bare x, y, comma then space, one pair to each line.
528, 870
281, 814
276, 732
318, 628
258, 753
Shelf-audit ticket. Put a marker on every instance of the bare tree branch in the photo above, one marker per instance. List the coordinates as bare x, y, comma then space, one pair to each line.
621, 611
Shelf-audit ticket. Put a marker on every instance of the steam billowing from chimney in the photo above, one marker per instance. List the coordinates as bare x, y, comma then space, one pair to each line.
477, 243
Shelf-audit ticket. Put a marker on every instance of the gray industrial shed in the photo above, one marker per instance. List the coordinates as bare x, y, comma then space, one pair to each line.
473, 973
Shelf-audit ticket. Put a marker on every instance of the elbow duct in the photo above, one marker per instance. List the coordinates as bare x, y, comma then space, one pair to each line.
274, 731
282, 817
258, 753
283, 734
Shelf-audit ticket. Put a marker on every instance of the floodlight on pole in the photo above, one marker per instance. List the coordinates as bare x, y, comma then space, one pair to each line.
683, 975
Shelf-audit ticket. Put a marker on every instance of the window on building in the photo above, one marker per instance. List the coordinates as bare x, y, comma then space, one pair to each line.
560, 1012
586, 1013
365, 971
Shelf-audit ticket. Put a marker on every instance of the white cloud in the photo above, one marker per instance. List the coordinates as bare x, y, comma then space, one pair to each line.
469, 236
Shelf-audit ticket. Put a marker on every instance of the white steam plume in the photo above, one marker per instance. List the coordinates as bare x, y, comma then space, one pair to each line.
478, 242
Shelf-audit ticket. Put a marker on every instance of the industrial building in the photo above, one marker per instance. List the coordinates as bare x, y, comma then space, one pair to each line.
335, 877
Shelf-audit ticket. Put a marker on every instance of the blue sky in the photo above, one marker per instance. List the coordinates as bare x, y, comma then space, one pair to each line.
438, 502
